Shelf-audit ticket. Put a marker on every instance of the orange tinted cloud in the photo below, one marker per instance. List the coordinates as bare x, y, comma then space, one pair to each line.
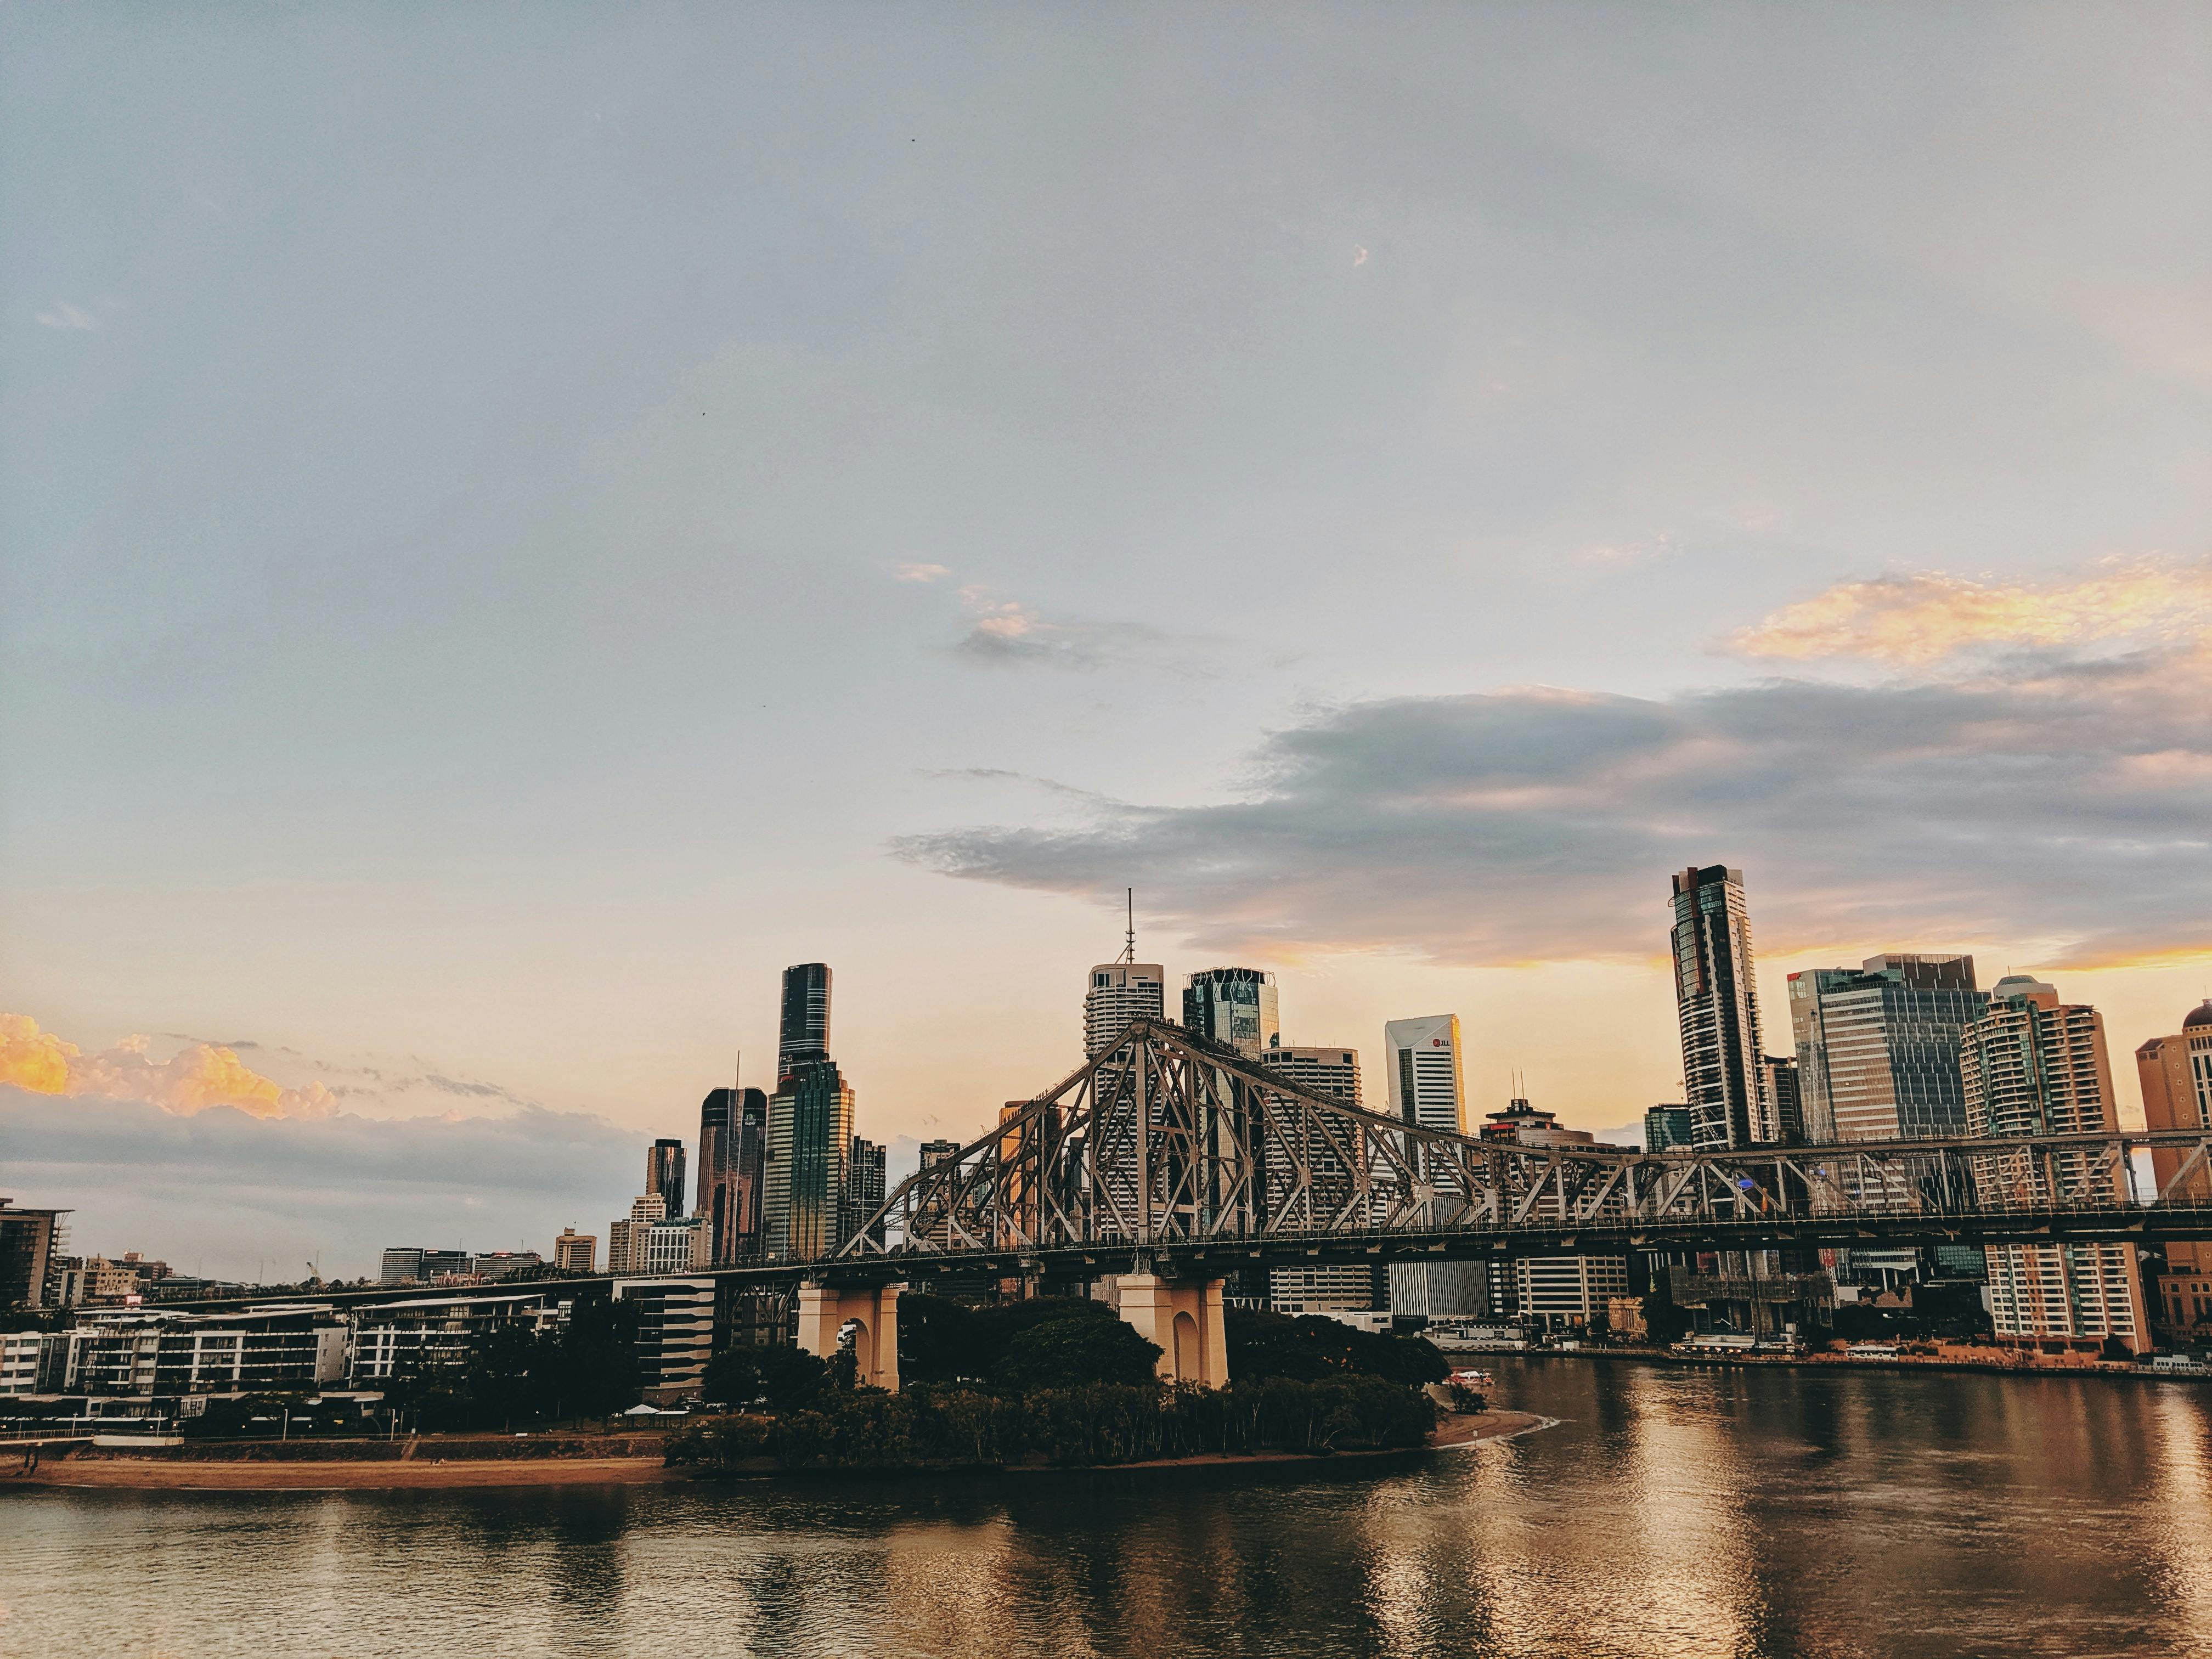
1921, 619
196, 1077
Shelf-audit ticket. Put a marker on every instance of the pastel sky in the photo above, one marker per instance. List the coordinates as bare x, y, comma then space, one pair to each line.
520, 522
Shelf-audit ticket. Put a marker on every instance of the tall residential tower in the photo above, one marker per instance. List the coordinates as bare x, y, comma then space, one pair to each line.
2034, 1066
1717, 998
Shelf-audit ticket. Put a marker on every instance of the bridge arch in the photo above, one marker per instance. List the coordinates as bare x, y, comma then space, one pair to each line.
1189, 1360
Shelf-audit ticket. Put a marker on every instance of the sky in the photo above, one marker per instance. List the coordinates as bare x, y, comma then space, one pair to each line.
520, 522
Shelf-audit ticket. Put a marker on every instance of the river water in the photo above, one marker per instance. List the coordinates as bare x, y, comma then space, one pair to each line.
1671, 1512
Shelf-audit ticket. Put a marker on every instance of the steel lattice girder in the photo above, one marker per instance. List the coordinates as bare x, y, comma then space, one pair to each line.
1166, 1141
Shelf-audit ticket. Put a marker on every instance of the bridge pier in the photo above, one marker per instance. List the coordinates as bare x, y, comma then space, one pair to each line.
1184, 1317
824, 1312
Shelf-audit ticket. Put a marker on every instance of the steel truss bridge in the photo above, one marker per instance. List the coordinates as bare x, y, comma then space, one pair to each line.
1167, 1153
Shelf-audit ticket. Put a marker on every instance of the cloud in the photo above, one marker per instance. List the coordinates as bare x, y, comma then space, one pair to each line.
1007, 634
228, 1189
1914, 621
2062, 804
64, 315
1358, 256
918, 572
196, 1077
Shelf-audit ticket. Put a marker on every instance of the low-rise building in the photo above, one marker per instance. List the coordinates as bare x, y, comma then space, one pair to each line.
496, 1265
286, 1345
433, 1333
675, 1334
2183, 1300
30, 1242
33, 1362
413, 1264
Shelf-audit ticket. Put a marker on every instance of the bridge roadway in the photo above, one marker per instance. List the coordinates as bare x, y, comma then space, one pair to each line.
1212, 1258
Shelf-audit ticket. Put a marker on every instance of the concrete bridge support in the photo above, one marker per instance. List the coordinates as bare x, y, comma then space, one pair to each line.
1183, 1315
824, 1312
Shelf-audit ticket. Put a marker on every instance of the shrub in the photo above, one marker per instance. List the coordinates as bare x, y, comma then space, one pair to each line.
1097, 1424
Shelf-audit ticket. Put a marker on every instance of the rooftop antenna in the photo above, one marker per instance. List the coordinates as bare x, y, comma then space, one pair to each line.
1129, 948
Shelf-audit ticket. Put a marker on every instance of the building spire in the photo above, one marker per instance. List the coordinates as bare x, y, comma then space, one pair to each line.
1129, 948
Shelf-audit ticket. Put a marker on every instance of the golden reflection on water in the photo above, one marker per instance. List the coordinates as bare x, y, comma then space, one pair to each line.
1673, 1511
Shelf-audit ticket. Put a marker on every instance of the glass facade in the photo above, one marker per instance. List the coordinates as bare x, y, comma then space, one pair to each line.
803, 1036
810, 1139
1878, 1046
1233, 1006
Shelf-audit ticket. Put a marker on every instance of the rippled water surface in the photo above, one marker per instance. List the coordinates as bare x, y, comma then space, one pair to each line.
1673, 1512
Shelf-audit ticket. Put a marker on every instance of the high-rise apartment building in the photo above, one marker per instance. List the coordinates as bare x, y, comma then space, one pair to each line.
733, 1145
803, 1034
1717, 1001
1421, 1064
1665, 1126
2175, 1073
864, 1184
2034, 1066
934, 1152
1233, 1006
1334, 1072
575, 1252
1118, 992
664, 1174
1878, 1046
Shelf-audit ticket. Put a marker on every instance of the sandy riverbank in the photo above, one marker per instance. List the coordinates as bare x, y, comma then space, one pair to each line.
426, 1472
149, 1475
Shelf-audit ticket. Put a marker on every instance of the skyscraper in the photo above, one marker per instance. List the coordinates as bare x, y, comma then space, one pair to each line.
1120, 992
664, 1174
810, 1129
1421, 1059
1665, 1126
1878, 1046
2177, 1092
804, 1033
1422, 1056
1784, 1123
1716, 999
2034, 1066
1233, 1006
1334, 1073
864, 1184
733, 1142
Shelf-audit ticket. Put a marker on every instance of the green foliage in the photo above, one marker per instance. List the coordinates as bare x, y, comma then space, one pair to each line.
1308, 1349
1098, 1423
1042, 1339
1073, 1353
513, 1375
788, 1378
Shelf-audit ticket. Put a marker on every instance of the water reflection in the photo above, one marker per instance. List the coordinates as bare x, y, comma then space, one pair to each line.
1690, 1512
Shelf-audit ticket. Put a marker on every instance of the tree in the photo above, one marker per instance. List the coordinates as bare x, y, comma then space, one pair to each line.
1072, 1353
1664, 1322
594, 1370
1309, 1349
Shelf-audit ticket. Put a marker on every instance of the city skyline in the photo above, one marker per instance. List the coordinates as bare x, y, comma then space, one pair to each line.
565, 1160
1382, 491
